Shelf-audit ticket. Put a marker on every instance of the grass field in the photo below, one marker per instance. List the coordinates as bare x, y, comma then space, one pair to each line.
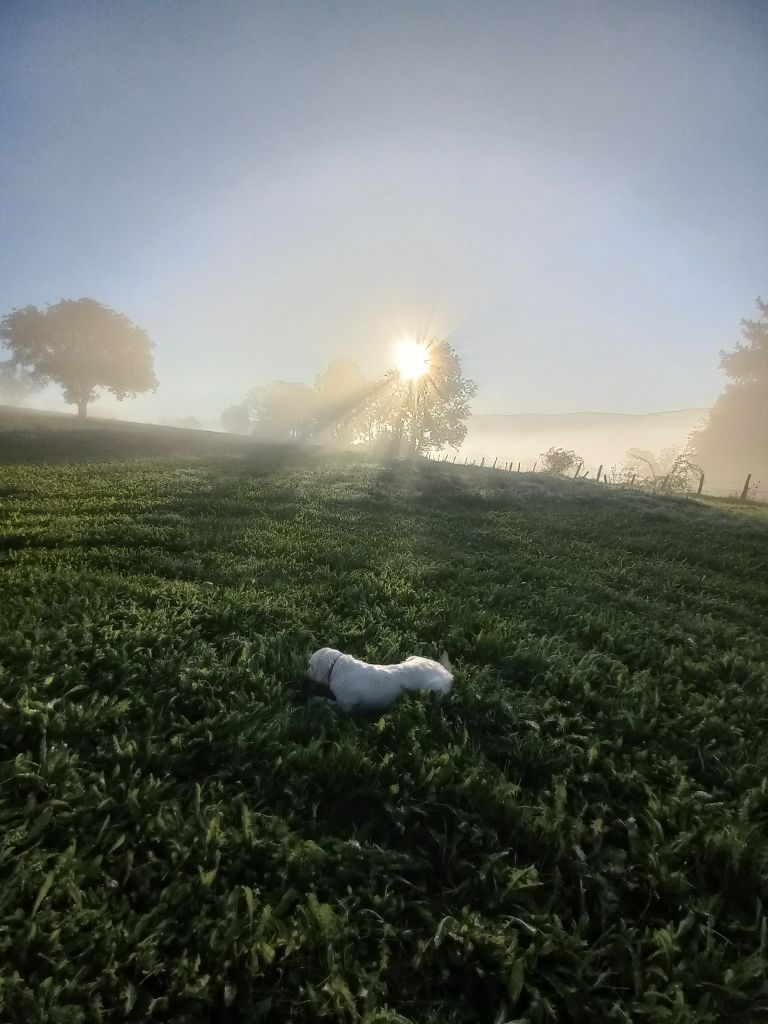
578, 833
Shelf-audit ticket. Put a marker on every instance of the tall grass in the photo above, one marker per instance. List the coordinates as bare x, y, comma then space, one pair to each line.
579, 833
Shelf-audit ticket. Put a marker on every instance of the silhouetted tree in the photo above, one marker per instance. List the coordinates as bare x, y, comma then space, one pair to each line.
734, 440
330, 411
380, 415
343, 408
236, 419
341, 392
282, 411
431, 412
81, 345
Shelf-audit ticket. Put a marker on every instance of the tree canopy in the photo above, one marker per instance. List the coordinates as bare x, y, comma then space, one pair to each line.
15, 383
342, 407
734, 441
341, 393
431, 412
236, 420
82, 346
282, 411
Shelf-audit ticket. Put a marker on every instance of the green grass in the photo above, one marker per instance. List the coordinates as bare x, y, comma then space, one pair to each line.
578, 833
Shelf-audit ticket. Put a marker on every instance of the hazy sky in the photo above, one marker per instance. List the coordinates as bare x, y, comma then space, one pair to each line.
576, 193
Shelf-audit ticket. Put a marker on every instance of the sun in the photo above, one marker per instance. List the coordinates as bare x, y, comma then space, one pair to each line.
412, 359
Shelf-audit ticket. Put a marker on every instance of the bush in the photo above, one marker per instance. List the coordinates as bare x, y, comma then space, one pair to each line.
559, 461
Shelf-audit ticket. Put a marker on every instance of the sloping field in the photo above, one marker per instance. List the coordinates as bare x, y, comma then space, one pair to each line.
578, 833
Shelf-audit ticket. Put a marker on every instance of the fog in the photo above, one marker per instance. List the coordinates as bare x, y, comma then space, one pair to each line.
597, 438
573, 195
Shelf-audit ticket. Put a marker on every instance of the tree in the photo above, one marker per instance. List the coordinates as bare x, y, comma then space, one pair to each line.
81, 345
15, 384
559, 461
343, 407
734, 441
282, 411
380, 414
433, 410
341, 392
236, 420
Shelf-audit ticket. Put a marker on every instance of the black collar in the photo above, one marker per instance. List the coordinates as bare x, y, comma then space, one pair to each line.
333, 666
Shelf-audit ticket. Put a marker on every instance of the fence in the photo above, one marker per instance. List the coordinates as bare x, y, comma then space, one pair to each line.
747, 489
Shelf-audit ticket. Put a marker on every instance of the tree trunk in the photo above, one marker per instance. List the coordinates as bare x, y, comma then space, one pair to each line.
82, 408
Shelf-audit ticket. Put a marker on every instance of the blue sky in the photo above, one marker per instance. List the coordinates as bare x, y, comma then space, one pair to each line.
575, 193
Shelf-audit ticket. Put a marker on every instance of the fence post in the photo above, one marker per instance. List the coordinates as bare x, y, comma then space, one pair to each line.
518, 467
701, 484
465, 459
578, 470
535, 465
494, 462
599, 472
745, 488
482, 461
454, 459
632, 481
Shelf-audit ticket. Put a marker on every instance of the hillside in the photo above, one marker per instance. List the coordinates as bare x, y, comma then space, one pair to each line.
578, 833
54, 436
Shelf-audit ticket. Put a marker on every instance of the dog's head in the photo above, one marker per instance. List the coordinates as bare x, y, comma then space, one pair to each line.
321, 664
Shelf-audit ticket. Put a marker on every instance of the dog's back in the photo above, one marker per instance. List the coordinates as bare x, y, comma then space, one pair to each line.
359, 686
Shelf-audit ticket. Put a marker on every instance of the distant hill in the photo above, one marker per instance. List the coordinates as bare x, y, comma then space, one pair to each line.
537, 422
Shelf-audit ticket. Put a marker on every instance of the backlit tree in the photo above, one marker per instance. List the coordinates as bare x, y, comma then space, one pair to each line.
82, 346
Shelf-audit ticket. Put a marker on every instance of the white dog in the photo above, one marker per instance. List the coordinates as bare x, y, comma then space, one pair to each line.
357, 686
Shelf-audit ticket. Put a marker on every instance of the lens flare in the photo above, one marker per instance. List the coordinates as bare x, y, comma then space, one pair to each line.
412, 359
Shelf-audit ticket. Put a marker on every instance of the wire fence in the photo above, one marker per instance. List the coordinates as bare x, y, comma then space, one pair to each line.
746, 488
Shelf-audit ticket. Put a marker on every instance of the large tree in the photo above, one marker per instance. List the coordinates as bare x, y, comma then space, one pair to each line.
341, 392
330, 411
734, 441
82, 346
427, 413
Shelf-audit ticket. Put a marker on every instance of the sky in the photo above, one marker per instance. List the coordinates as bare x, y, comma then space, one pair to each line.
574, 194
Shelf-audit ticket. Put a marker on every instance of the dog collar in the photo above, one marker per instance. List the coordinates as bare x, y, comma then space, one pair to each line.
333, 666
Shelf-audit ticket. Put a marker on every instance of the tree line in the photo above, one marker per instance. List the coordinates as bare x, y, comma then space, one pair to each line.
85, 347
342, 407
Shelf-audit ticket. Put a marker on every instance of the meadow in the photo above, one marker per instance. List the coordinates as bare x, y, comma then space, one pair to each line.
578, 833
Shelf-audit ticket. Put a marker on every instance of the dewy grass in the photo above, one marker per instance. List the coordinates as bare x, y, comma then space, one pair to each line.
578, 833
